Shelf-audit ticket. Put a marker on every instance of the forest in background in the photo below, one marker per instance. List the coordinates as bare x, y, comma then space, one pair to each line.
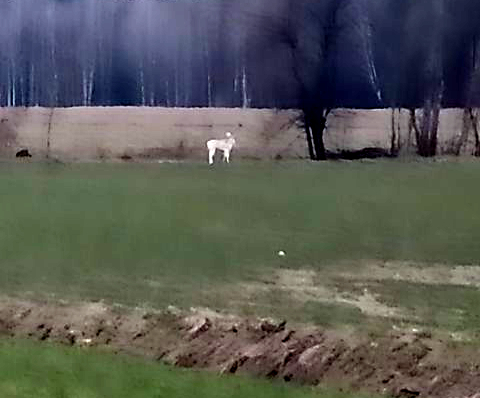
226, 53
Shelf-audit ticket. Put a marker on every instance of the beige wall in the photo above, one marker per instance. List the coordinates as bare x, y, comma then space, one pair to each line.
356, 129
154, 133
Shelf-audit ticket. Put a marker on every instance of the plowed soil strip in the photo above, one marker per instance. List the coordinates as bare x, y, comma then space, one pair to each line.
402, 364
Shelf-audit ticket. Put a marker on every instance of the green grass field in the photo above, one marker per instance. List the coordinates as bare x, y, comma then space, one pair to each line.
32, 371
183, 233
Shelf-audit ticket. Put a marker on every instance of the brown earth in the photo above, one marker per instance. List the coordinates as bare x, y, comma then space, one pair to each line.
400, 363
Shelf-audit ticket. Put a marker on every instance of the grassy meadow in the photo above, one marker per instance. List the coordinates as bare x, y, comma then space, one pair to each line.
184, 234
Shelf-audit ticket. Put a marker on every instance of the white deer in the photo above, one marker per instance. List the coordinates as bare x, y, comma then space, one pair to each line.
224, 145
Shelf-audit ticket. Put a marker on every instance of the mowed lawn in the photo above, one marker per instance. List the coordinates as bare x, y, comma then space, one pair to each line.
167, 233
34, 371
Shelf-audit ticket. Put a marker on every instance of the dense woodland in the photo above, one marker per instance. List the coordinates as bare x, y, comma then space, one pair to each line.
309, 54
232, 53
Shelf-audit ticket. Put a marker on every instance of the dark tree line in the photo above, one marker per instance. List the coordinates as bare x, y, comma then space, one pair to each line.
408, 54
427, 57
142, 52
309, 54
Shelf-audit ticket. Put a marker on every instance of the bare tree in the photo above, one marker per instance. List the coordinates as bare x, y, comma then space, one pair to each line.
426, 134
412, 65
311, 31
465, 29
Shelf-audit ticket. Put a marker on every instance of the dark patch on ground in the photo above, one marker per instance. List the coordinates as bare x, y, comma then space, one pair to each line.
365, 153
23, 153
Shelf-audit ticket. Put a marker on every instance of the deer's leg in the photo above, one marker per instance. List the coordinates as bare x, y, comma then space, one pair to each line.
211, 153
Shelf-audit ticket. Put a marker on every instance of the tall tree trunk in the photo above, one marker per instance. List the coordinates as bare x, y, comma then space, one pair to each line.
474, 120
433, 136
413, 124
49, 131
308, 132
395, 137
466, 123
319, 144
315, 124
427, 134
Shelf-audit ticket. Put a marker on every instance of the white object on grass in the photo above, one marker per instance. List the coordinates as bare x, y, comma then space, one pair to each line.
281, 253
224, 145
